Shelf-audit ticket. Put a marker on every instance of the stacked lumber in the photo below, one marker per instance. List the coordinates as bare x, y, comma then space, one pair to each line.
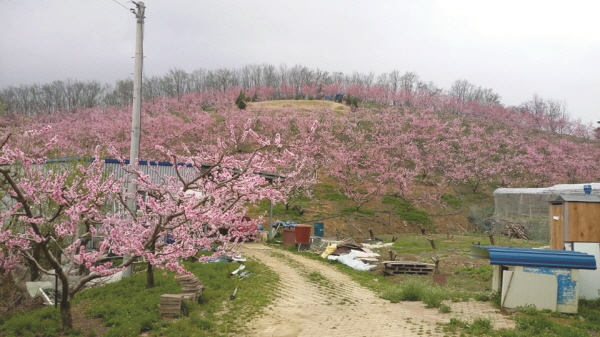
170, 305
407, 267
191, 286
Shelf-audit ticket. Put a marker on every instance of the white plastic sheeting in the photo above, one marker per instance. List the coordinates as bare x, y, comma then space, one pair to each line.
356, 264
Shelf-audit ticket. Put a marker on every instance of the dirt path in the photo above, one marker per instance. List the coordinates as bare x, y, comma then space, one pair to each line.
316, 300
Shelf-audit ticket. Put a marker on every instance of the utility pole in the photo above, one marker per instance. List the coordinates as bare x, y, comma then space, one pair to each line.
134, 152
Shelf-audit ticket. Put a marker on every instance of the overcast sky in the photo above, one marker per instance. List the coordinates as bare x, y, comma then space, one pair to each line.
517, 48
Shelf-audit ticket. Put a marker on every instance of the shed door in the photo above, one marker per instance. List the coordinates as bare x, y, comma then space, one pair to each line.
557, 226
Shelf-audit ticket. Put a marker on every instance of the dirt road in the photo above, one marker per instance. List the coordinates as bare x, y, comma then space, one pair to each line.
316, 300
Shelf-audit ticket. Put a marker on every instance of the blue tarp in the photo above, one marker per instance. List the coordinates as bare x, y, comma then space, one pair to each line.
284, 224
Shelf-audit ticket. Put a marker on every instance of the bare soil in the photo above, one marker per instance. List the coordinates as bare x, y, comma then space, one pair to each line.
314, 299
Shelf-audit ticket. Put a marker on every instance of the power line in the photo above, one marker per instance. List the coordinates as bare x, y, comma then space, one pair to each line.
120, 4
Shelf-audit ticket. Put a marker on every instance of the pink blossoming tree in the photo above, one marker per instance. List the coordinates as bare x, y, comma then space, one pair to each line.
55, 211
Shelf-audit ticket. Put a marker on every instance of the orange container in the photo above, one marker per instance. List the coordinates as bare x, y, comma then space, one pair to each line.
303, 234
289, 237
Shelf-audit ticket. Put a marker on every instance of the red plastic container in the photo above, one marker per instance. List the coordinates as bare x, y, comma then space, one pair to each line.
289, 237
303, 234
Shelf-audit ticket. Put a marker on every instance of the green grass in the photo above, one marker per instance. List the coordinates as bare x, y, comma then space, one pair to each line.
128, 308
352, 209
405, 211
532, 322
329, 192
43, 323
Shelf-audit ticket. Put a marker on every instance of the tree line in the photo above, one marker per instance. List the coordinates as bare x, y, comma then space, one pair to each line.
286, 83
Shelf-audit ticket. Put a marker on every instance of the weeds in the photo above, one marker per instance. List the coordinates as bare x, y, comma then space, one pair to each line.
412, 290
478, 327
444, 309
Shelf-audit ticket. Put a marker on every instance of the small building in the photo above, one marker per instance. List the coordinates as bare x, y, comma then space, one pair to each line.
546, 279
574, 218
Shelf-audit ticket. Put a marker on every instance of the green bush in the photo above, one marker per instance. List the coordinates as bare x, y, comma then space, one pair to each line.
434, 297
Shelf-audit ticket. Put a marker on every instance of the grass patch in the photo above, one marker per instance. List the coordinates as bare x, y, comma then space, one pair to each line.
43, 323
405, 211
444, 309
590, 311
130, 309
479, 327
316, 277
412, 290
451, 200
329, 192
352, 209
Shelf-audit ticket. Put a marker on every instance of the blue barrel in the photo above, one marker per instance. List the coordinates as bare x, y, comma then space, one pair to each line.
319, 229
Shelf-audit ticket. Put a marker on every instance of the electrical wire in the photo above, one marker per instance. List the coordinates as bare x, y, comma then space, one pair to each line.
120, 4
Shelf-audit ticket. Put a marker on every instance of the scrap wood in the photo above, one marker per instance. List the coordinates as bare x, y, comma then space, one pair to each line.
378, 245
515, 230
345, 248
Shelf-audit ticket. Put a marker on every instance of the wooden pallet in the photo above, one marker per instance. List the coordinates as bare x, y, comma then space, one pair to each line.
407, 268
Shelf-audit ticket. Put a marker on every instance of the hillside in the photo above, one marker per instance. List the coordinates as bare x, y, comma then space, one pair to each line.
428, 163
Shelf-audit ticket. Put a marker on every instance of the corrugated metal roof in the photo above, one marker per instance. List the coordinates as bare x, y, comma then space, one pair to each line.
556, 189
529, 257
576, 198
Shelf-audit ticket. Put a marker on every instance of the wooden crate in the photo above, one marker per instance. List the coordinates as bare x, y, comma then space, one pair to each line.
407, 268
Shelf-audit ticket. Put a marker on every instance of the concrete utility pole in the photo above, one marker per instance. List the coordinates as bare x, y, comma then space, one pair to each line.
134, 152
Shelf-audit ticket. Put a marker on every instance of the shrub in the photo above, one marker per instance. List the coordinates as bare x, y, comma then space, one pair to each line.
433, 298
408, 291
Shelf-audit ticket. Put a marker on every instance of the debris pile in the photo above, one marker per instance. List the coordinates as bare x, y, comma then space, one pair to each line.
516, 231
351, 254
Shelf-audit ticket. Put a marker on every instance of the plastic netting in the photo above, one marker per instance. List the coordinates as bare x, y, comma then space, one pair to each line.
530, 207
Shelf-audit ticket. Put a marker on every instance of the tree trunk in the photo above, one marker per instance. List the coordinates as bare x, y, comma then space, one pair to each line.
149, 276
35, 271
65, 308
150, 269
